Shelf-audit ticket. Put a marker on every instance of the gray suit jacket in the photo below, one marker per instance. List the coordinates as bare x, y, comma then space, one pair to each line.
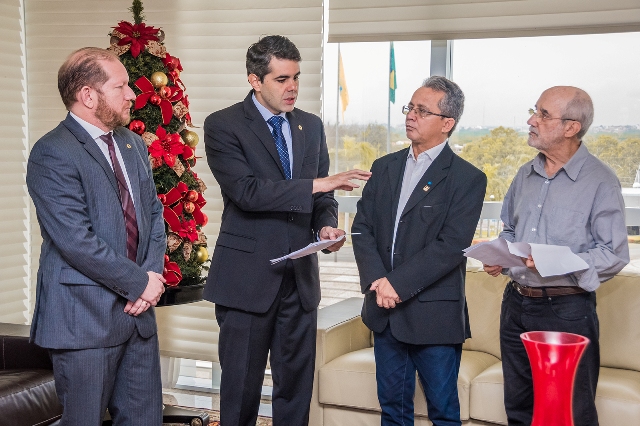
84, 276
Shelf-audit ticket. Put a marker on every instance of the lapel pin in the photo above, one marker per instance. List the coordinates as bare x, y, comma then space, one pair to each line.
129, 146
426, 187
300, 126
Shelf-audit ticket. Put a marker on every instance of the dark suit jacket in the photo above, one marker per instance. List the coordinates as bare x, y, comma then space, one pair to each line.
265, 216
428, 271
84, 276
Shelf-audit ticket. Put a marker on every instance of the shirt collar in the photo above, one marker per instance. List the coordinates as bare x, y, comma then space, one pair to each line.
432, 153
572, 168
94, 132
266, 114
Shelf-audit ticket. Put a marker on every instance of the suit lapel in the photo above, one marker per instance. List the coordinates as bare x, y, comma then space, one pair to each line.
92, 148
395, 169
436, 172
261, 130
298, 140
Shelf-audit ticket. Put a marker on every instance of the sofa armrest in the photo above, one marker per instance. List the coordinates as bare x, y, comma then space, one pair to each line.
340, 331
16, 352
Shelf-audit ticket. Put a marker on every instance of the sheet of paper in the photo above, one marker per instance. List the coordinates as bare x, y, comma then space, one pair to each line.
519, 249
556, 260
311, 248
550, 260
495, 252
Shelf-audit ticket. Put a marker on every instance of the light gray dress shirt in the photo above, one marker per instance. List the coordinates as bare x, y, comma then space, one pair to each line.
286, 129
95, 132
413, 171
581, 207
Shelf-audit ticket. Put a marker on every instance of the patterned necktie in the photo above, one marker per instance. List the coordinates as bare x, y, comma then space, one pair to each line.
281, 144
128, 209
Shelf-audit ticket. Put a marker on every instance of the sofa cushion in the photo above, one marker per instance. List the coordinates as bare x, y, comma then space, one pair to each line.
484, 298
28, 397
487, 396
619, 314
618, 397
350, 381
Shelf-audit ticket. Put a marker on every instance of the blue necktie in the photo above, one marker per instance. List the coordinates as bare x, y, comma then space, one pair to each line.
281, 144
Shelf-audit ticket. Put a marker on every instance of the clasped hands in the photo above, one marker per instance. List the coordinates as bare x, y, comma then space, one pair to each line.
386, 295
149, 297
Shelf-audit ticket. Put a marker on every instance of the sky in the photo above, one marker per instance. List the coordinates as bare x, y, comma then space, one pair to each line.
501, 78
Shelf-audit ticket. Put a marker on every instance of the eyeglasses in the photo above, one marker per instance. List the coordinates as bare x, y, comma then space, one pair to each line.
542, 116
423, 113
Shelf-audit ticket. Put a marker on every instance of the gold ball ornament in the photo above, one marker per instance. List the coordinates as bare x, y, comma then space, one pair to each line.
159, 79
190, 138
202, 255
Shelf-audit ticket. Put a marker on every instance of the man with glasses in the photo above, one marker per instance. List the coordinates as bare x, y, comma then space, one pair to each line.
418, 212
565, 196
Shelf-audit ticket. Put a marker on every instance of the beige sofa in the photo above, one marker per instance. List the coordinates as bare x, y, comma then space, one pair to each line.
345, 386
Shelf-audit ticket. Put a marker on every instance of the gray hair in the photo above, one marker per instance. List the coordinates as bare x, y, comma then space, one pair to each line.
580, 108
452, 103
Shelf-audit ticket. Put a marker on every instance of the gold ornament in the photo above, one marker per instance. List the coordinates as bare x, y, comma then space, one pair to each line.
190, 138
202, 255
159, 79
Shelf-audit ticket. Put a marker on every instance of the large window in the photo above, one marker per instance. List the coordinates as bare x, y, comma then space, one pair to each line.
369, 125
503, 78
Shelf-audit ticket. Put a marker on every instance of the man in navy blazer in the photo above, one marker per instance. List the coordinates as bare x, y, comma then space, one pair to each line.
417, 213
271, 162
99, 272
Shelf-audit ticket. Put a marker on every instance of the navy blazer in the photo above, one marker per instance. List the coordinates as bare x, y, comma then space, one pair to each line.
428, 273
84, 277
265, 216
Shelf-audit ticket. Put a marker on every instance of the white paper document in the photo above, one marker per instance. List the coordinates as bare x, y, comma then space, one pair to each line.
550, 260
311, 248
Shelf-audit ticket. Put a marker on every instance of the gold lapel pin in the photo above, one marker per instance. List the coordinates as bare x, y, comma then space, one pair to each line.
129, 146
300, 126
427, 187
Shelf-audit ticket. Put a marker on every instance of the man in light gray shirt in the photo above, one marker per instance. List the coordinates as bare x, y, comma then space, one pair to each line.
564, 196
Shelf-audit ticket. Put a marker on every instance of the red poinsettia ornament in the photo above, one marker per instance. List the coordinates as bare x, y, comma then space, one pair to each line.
167, 146
136, 34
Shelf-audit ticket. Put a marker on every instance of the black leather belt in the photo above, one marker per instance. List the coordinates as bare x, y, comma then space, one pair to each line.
545, 291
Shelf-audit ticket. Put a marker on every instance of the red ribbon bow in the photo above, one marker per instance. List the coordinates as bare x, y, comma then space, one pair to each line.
148, 90
173, 202
171, 273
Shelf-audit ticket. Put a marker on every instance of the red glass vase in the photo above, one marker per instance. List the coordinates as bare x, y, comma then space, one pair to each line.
554, 358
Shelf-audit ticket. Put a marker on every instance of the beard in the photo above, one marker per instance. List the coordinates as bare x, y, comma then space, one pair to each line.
109, 116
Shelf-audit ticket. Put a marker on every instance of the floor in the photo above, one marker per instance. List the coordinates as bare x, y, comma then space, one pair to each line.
338, 281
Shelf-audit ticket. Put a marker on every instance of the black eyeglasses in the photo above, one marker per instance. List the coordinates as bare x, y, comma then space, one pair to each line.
423, 113
542, 116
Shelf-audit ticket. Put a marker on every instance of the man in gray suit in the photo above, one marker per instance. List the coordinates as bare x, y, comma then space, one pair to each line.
102, 251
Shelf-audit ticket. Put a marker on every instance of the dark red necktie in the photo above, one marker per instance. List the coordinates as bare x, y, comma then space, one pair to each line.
125, 199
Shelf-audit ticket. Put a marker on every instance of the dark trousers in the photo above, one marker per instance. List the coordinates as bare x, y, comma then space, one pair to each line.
289, 333
124, 378
437, 367
574, 313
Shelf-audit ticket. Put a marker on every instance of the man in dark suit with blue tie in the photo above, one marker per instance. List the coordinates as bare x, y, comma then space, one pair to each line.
417, 213
102, 250
271, 161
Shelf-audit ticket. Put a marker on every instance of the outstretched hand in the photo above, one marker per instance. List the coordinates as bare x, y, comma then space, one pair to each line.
340, 181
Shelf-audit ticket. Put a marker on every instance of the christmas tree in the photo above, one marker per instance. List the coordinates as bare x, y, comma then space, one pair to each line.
160, 116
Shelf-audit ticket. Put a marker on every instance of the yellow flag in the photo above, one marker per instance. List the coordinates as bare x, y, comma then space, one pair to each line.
342, 85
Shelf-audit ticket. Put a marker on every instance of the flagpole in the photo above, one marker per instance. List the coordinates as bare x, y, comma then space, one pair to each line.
335, 163
389, 106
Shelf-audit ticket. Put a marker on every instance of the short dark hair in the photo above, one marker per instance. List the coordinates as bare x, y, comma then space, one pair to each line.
452, 103
259, 54
83, 68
